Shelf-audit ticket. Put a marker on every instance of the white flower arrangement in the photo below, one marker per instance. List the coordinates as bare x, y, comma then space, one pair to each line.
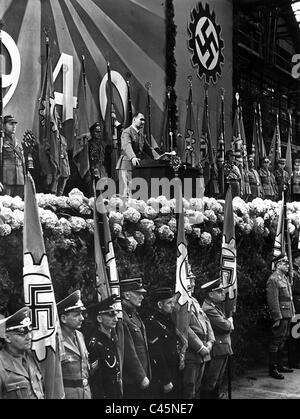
165, 233
132, 215
205, 239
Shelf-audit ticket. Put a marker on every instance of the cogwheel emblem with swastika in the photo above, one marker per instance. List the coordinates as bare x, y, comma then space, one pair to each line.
206, 43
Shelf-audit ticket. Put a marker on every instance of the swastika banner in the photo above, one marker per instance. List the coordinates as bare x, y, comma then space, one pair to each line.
39, 296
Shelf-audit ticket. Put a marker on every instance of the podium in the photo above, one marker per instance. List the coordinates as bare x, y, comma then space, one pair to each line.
159, 176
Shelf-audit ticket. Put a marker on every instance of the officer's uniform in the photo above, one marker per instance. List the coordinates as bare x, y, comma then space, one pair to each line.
13, 163
20, 375
199, 334
64, 166
255, 182
105, 378
282, 178
75, 364
233, 177
136, 357
164, 348
222, 327
267, 183
281, 307
134, 145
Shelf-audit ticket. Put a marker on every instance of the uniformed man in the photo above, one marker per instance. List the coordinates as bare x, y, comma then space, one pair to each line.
232, 174
75, 365
13, 159
20, 375
164, 345
134, 147
282, 178
296, 181
222, 327
294, 340
281, 307
98, 151
267, 181
104, 359
254, 180
200, 342
136, 367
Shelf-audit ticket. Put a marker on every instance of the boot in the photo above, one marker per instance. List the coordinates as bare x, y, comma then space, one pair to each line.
273, 372
281, 367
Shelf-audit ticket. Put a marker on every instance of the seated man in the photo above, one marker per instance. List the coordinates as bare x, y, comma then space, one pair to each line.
134, 147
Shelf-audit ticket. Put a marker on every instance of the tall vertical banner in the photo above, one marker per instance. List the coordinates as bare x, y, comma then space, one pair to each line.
183, 309
228, 257
39, 297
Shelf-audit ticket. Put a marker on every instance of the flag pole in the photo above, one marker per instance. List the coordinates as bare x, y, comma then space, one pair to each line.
170, 131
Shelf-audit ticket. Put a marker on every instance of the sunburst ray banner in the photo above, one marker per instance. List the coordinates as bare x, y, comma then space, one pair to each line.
96, 29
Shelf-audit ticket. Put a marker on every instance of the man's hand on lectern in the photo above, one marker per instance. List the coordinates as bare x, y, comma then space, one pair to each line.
135, 161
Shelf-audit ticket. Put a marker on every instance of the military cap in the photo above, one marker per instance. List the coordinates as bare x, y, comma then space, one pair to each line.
162, 293
212, 285
251, 157
71, 303
18, 321
103, 307
9, 118
96, 127
132, 284
297, 161
280, 258
265, 160
281, 161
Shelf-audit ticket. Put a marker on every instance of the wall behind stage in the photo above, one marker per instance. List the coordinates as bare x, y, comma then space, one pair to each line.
130, 34
223, 12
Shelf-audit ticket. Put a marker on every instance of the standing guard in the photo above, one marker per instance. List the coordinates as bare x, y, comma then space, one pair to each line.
20, 374
280, 302
222, 327
164, 345
75, 365
136, 367
105, 364
13, 162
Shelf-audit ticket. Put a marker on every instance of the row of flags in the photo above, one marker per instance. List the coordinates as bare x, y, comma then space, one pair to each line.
198, 150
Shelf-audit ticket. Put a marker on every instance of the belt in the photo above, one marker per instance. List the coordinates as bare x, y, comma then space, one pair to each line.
76, 383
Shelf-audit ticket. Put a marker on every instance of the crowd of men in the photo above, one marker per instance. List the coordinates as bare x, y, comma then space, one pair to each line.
263, 182
142, 362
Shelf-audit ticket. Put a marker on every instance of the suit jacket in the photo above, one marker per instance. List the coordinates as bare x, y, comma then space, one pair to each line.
75, 366
279, 297
221, 327
136, 357
133, 144
18, 382
199, 333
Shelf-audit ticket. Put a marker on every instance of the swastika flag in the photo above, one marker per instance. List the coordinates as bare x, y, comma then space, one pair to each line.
39, 296
228, 257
